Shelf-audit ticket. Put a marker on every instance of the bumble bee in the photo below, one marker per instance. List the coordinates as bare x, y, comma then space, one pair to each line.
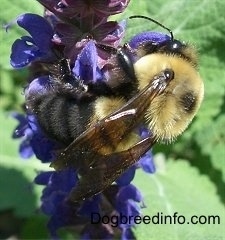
95, 121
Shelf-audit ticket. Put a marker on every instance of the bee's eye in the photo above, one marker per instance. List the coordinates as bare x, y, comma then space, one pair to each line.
169, 74
175, 46
188, 101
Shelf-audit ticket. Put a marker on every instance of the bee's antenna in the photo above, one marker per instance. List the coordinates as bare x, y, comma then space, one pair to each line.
153, 20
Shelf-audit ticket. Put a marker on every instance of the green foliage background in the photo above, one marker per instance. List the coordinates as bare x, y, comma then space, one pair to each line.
190, 176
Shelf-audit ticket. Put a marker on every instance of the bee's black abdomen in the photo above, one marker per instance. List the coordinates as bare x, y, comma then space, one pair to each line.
61, 117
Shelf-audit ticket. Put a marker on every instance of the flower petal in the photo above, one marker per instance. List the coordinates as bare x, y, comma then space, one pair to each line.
34, 47
90, 206
127, 203
129, 192
38, 86
97, 7
23, 53
39, 28
54, 198
43, 178
86, 64
104, 29
127, 177
19, 130
43, 148
127, 234
146, 162
25, 150
146, 37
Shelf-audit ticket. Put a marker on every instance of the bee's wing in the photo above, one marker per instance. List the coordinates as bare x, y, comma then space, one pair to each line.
106, 169
84, 153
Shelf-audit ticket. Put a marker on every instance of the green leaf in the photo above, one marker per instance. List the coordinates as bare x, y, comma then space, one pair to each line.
12, 88
6, 82
18, 193
10, 10
178, 187
212, 142
35, 228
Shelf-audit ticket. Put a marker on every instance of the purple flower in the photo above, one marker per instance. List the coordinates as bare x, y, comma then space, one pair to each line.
97, 231
54, 198
34, 47
86, 64
39, 86
127, 234
126, 203
127, 177
43, 147
62, 212
23, 131
124, 200
146, 161
33, 139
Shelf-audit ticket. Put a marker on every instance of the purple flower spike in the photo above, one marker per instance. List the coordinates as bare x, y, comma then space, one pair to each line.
76, 35
34, 47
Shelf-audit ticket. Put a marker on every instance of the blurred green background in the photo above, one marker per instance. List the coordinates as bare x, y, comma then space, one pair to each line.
190, 177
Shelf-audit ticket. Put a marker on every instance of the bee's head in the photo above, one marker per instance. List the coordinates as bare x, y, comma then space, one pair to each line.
170, 113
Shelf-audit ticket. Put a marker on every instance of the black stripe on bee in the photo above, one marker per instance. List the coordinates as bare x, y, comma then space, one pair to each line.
62, 117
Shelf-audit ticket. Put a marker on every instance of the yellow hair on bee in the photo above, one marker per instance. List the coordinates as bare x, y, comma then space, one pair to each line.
170, 113
104, 106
